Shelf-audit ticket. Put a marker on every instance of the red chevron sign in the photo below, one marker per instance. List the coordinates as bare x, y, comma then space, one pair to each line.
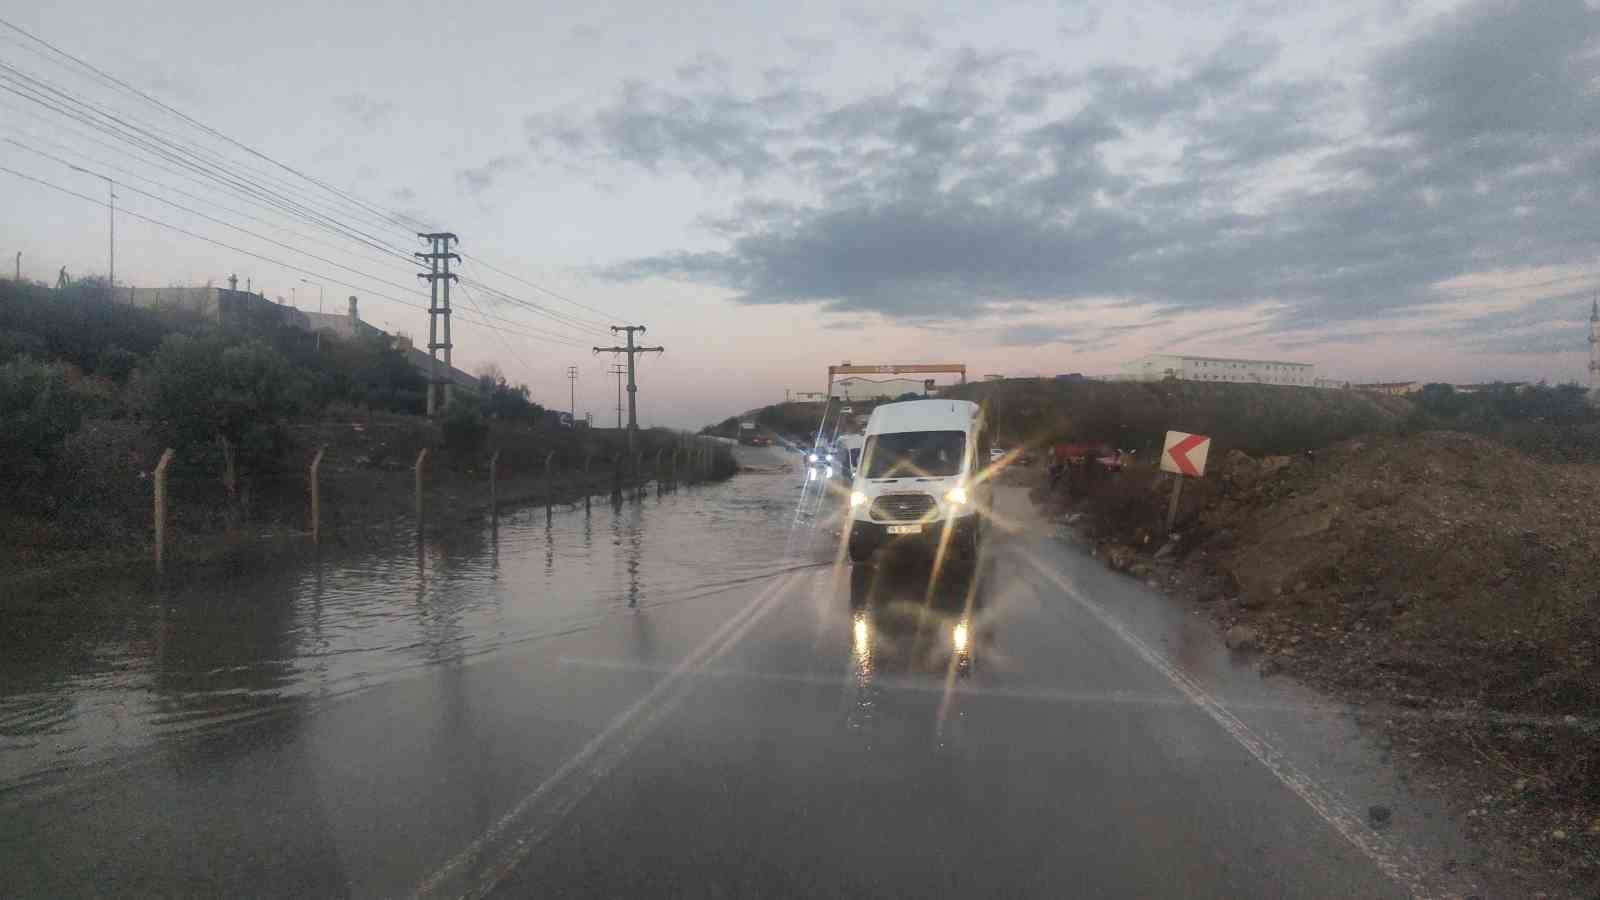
1185, 453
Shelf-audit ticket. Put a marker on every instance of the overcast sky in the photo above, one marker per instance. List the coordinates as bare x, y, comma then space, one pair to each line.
1386, 189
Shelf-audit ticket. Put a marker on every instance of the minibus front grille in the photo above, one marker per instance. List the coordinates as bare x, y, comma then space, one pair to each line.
903, 507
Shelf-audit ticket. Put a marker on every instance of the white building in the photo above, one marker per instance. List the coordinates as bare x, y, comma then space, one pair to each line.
1159, 366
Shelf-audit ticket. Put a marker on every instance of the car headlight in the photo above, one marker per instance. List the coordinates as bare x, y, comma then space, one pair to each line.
813, 457
957, 495
857, 498
830, 471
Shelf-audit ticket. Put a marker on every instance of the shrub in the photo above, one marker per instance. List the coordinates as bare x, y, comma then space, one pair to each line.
116, 363
464, 427
209, 387
37, 412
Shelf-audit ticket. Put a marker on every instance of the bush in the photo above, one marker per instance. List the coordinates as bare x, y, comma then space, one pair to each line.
464, 428
210, 387
37, 412
116, 363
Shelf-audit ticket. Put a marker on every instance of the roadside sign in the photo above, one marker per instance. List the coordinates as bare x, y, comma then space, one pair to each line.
1185, 454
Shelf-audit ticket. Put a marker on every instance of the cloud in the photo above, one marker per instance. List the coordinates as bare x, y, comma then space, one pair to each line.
1225, 182
479, 179
707, 131
367, 111
809, 47
705, 66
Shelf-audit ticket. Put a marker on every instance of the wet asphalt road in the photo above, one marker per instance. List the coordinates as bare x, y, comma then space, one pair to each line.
788, 728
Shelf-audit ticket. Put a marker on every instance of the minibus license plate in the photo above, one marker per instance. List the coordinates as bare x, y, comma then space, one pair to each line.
905, 529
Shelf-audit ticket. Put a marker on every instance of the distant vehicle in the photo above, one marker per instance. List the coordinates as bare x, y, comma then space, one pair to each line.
996, 454
917, 482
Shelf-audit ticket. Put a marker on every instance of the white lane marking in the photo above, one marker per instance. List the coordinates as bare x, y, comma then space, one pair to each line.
538, 813
1393, 861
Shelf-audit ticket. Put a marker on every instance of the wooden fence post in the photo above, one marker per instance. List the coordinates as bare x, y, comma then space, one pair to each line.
549, 488
616, 481
1172, 508
674, 471
588, 489
659, 477
230, 480
161, 506
422, 460
316, 496
494, 488
638, 474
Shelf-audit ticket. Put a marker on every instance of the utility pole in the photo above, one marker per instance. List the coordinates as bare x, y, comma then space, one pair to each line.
633, 387
19, 267
618, 371
438, 258
315, 284
572, 393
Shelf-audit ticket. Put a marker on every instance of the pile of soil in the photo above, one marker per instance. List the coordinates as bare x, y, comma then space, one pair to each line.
1447, 583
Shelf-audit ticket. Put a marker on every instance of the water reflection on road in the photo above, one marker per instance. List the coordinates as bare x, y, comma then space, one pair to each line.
111, 668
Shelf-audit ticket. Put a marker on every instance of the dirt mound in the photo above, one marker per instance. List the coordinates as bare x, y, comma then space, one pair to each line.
1447, 584
1432, 546
1454, 582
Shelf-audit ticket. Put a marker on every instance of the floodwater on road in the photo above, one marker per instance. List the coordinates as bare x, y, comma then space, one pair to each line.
108, 670
690, 694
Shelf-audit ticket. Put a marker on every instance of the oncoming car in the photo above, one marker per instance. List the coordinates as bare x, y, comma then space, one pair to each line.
918, 479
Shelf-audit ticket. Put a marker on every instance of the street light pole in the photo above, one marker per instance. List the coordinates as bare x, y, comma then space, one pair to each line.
111, 191
319, 293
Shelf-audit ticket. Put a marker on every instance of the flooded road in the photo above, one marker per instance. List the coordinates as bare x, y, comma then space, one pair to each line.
684, 696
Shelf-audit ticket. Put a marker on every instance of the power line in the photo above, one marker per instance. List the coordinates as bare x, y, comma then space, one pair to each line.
129, 173
544, 290
172, 144
217, 221
253, 186
576, 325
263, 257
202, 126
42, 93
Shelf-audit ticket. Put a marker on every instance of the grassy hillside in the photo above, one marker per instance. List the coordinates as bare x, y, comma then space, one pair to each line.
1136, 415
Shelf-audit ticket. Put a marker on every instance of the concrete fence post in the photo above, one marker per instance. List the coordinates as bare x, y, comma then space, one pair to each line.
549, 487
315, 484
161, 507
674, 471
659, 478
638, 474
421, 469
616, 481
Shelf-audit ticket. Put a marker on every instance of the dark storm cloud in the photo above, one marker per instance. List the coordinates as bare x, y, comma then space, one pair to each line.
709, 132
1466, 148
